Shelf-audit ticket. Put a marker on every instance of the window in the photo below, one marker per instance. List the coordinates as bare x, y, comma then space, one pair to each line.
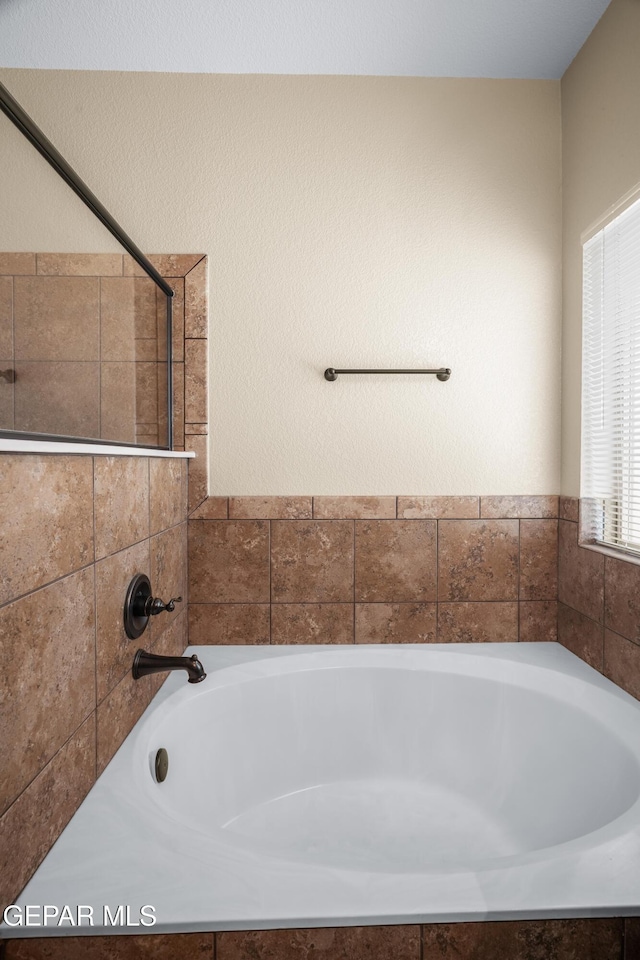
611, 382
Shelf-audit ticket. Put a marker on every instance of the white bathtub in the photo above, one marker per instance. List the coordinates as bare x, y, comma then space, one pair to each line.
371, 784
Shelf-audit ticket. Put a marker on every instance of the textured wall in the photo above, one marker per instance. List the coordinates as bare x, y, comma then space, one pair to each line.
349, 221
600, 149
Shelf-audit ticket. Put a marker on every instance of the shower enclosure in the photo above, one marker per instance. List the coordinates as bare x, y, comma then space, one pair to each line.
85, 318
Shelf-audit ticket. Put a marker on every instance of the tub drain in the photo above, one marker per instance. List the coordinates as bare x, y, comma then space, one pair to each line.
162, 764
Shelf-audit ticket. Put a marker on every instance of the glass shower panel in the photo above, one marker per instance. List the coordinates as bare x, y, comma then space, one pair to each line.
83, 329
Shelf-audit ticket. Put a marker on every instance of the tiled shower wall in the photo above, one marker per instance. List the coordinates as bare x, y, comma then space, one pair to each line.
373, 569
73, 532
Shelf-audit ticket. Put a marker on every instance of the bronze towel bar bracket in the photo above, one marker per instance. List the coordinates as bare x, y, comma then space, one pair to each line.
442, 373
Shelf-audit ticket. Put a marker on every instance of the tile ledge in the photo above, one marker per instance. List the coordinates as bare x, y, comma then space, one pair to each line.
608, 551
96, 449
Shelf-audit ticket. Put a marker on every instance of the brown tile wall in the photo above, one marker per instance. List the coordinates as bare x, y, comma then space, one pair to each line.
608, 939
73, 532
410, 569
373, 569
599, 604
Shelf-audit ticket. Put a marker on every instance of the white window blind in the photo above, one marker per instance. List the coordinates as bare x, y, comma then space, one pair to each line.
610, 476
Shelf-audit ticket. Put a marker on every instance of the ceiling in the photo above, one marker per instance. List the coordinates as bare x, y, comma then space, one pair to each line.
430, 38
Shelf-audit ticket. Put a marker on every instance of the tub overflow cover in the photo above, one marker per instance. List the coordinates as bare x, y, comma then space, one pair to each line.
162, 765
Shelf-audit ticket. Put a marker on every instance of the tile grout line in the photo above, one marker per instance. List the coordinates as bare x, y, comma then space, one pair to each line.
95, 668
519, 575
50, 760
184, 513
604, 602
95, 614
339, 603
203, 257
13, 348
437, 581
621, 636
558, 578
183, 390
270, 591
100, 356
353, 640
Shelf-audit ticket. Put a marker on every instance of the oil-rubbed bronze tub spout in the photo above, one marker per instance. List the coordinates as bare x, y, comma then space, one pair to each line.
145, 663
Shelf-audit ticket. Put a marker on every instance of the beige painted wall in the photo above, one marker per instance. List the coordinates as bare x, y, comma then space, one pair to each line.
349, 222
601, 163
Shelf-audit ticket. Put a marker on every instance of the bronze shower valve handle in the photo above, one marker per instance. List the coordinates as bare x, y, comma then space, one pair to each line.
156, 605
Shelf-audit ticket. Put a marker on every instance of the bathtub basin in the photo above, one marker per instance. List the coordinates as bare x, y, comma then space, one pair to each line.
370, 784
